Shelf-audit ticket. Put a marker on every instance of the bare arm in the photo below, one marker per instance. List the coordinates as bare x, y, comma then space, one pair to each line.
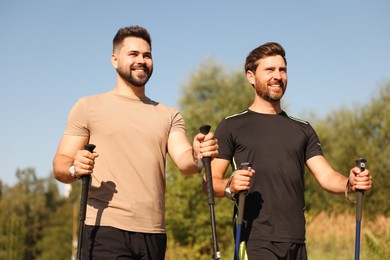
185, 156
335, 182
71, 149
239, 182
218, 170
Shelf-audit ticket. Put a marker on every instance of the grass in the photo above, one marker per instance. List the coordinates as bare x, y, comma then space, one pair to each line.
333, 237
328, 236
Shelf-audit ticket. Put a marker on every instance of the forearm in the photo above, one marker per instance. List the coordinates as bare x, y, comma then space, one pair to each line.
335, 184
61, 165
219, 167
327, 177
219, 186
186, 163
185, 156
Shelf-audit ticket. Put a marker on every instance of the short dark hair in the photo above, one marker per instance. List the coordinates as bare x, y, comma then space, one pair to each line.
131, 31
266, 50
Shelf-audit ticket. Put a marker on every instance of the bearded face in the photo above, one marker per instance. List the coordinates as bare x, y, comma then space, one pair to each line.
270, 78
136, 75
133, 61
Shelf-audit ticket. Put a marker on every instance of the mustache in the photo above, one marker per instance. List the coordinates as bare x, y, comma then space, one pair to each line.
280, 82
144, 67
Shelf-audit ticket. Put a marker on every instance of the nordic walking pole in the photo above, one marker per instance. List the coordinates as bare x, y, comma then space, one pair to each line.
240, 214
86, 179
361, 163
210, 194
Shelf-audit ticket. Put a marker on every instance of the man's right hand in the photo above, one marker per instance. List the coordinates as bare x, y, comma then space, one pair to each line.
84, 162
241, 180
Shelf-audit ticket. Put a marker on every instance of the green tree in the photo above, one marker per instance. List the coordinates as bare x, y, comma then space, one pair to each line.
62, 225
23, 209
350, 133
213, 93
27, 215
59, 229
12, 228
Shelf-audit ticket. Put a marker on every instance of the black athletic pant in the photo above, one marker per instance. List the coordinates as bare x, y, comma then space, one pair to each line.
275, 250
102, 242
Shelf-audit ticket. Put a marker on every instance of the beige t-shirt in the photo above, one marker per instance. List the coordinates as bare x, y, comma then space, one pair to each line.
128, 182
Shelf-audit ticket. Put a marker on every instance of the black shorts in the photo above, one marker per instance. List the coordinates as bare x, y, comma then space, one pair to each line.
275, 250
100, 242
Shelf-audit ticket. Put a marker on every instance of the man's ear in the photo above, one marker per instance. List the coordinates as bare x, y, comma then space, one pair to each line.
114, 60
250, 76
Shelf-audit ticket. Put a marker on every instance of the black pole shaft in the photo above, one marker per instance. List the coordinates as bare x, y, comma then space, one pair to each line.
210, 195
361, 163
86, 180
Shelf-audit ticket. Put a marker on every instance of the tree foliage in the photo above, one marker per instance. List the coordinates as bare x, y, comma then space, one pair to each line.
213, 93
361, 131
35, 220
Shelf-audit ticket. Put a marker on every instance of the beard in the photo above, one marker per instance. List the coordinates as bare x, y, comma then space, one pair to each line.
268, 95
137, 81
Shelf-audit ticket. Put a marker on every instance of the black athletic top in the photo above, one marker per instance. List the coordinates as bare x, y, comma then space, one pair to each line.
278, 147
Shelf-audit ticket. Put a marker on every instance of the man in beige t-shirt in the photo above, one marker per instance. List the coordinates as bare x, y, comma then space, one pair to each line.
132, 133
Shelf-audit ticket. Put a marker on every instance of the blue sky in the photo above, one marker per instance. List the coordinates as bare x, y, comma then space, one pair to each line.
53, 52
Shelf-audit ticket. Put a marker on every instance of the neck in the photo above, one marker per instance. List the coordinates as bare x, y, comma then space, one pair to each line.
124, 88
265, 107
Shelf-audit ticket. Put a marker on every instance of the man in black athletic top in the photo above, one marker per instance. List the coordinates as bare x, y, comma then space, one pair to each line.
278, 147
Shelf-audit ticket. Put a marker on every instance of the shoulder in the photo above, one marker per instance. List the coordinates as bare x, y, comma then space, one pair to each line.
300, 124
95, 98
236, 118
237, 115
294, 119
164, 108
234, 121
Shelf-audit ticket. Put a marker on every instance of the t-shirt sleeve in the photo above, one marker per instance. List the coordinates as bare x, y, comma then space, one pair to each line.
178, 124
313, 146
77, 123
225, 142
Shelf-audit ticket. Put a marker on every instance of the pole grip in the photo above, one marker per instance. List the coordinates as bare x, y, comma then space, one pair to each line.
86, 179
205, 129
361, 163
241, 196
